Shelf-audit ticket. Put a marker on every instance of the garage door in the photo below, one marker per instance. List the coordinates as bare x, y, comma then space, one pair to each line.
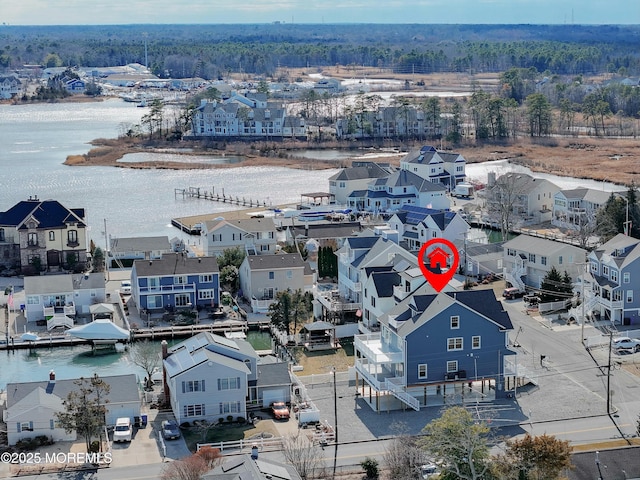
275, 395
114, 412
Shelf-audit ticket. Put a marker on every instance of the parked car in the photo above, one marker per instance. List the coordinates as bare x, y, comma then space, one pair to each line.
125, 287
626, 343
428, 470
280, 410
170, 430
123, 431
512, 292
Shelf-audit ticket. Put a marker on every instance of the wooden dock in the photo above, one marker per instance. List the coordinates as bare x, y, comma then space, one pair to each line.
201, 193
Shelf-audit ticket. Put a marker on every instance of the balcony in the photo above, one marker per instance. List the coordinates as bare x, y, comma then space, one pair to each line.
73, 243
400, 293
337, 303
370, 345
610, 304
168, 289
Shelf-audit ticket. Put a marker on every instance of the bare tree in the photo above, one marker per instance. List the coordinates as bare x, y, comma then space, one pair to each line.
147, 356
190, 468
403, 456
504, 198
300, 452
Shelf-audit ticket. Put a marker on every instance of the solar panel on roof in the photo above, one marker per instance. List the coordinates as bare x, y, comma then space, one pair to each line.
225, 341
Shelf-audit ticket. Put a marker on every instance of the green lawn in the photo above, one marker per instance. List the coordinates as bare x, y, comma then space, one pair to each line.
227, 432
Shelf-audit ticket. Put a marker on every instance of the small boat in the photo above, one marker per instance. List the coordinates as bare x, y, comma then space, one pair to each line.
142, 103
29, 337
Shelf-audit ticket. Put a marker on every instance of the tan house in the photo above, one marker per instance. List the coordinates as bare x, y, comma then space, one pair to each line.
263, 276
254, 235
48, 236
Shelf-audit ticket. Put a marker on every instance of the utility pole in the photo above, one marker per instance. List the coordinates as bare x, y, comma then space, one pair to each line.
609, 376
335, 419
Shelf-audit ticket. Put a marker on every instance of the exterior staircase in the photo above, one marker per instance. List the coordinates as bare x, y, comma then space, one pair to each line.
590, 302
514, 277
399, 392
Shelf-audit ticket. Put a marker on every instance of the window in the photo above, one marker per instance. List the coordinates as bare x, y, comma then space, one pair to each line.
193, 386
182, 300
543, 260
605, 271
229, 407
629, 296
72, 237
455, 322
422, 370
208, 278
373, 301
289, 274
206, 294
532, 257
52, 236
475, 341
617, 296
264, 248
154, 283
231, 383
626, 277
154, 301
452, 366
454, 344
511, 252
216, 237
32, 239
272, 275
179, 279
613, 275
2, 235
194, 410
25, 427
559, 259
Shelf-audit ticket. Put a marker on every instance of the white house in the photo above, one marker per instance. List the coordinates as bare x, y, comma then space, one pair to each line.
417, 225
139, 248
577, 207
211, 377
10, 86
263, 276
59, 298
254, 235
443, 168
356, 178
527, 260
31, 406
531, 199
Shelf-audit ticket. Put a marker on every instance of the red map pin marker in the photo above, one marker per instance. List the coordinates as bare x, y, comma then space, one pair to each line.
440, 263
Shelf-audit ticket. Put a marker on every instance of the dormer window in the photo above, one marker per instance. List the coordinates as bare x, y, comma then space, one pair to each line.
455, 322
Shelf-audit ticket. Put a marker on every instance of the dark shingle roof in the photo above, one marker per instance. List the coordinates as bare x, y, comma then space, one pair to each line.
362, 242
384, 283
273, 373
175, 264
485, 303
280, 260
48, 214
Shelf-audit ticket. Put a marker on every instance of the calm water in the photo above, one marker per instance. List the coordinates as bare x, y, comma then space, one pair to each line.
36, 139
74, 362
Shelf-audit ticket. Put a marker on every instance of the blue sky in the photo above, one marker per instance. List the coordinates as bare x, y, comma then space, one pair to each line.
90, 12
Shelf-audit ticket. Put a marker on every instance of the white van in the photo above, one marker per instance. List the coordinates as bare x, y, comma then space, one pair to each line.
122, 432
125, 287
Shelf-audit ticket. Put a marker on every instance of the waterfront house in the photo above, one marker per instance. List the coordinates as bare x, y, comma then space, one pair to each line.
390, 194
577, 207
10, 86
445, 168
248, 116
250, 467
253, 235
356, 178
432, 347
175, 281
43, 235
263, 276
210, 377
611, 291
527, 260
530, 199
123, 251
325, 234
480, 259
417, 225
58, 299
367, 250
31, 406
378, 296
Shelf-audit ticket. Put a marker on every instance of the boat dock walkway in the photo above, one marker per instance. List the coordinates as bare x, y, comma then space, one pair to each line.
201, 193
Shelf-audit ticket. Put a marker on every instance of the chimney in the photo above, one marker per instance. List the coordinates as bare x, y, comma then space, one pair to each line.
52, 377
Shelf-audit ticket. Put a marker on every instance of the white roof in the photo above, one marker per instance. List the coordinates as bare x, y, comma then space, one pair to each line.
101, 329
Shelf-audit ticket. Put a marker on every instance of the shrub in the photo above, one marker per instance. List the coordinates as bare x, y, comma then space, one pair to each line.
185, 425
94, 447
229, 418
370, 467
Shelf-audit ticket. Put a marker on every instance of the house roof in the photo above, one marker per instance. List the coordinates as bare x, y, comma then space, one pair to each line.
485, 303
384, 283
175, 264
273, 373
247, 225
318, 326
326, 230
368, 170
48, 214
540, 246
48, 284
522, 183
243, 467
140, 244
360, 242
124, 388
621, 462
403, 178
279, 260
182, 360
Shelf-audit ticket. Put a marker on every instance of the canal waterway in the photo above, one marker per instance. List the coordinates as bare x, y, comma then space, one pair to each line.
80, 361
